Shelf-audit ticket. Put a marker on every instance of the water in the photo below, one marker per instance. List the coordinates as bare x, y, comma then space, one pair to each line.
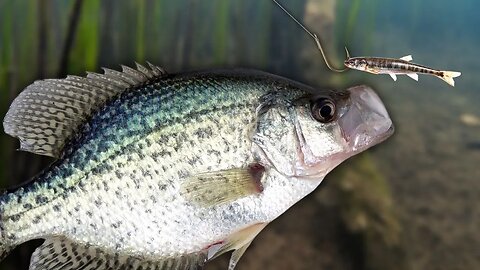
410, 203
432, 161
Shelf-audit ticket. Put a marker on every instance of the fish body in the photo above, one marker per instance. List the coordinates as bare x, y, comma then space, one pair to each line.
394, 67
160, 171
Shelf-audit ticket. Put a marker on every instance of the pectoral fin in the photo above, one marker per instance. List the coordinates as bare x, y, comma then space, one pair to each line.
394, 77
413, 76
407, 58
213, 188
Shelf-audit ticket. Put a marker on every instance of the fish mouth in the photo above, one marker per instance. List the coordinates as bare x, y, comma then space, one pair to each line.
367, 122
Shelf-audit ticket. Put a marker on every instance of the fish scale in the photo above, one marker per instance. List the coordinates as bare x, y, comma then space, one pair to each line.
170, 170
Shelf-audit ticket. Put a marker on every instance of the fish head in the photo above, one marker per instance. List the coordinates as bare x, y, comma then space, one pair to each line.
359, 63
308, 136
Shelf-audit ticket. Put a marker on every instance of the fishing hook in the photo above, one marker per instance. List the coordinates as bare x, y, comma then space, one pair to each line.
317, 40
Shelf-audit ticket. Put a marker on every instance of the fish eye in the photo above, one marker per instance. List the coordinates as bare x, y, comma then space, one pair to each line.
323, 110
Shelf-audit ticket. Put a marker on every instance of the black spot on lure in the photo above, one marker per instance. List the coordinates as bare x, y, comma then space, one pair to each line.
167, 171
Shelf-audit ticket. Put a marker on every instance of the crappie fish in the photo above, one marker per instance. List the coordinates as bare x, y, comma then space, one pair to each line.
168, 171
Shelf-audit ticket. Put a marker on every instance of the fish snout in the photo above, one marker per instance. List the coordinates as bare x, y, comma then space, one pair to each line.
366, 122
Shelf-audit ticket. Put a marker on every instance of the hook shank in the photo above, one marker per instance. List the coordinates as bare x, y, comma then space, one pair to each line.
314, 36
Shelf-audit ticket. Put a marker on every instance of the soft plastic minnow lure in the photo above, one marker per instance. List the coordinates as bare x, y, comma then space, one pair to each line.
401, 66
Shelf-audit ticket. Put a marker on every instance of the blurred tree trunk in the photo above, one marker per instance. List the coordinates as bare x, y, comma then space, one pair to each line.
6, 48
163, 50
221, 31
239, 31
106, 34
152, 20
202, 42
262, 35
71, 31
42, 38
85, 50
140, 31
189, 34
56, 34
180, 11
285, 35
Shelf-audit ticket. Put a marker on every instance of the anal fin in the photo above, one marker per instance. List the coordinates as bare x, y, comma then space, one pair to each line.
413, 76
59, 253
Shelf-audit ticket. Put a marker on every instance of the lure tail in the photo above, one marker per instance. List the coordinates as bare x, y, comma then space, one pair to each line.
449, 75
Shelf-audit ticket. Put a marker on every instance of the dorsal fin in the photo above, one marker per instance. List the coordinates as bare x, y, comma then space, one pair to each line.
45, 115
407, 58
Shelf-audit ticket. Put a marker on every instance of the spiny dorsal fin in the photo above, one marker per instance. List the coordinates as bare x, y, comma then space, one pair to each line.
59, 253
407, 58
46, 114
213, 188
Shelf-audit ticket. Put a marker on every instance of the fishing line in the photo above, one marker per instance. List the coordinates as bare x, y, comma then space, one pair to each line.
314, 36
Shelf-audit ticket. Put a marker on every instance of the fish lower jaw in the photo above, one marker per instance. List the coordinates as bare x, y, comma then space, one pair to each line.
316, 171
357, 145
311, 173
313, 177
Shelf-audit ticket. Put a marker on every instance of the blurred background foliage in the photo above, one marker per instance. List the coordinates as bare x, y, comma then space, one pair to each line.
408, 204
